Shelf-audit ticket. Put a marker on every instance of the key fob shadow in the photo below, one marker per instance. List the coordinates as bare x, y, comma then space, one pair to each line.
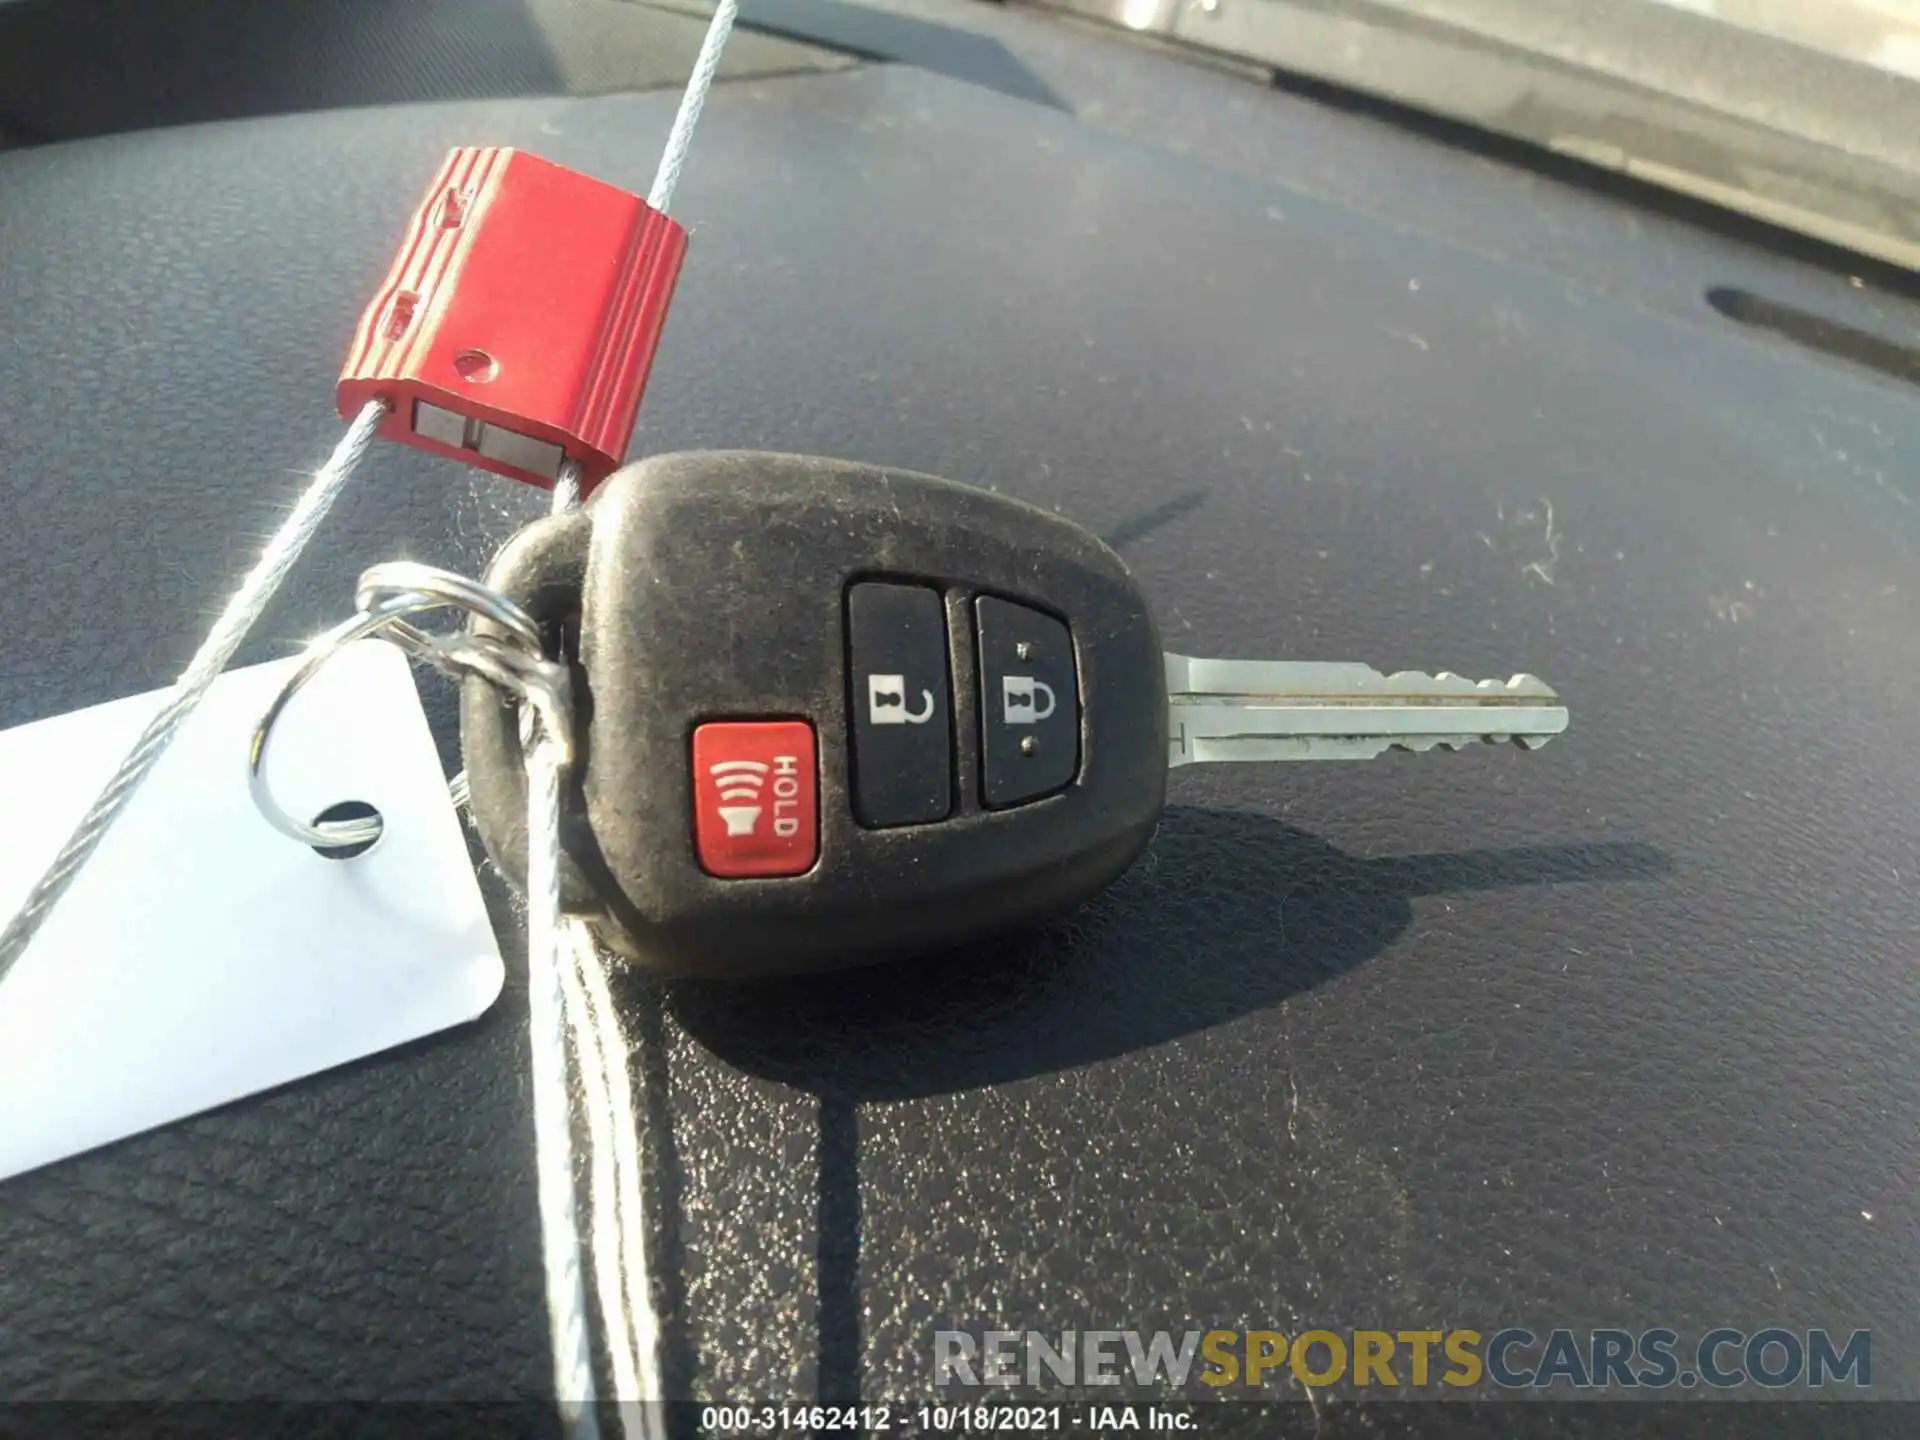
1228, 914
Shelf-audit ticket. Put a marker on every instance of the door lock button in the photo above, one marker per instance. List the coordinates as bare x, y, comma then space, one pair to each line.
1029, 703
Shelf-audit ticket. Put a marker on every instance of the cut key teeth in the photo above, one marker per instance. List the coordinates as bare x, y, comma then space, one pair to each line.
1446, 682
1420, 744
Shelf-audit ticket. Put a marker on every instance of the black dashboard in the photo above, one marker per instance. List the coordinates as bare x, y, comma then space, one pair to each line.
1616, 1033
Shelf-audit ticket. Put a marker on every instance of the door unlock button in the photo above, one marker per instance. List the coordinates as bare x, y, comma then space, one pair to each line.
902, 717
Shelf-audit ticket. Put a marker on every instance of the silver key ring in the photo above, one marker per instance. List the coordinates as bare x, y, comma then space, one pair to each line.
381, 583
386, 595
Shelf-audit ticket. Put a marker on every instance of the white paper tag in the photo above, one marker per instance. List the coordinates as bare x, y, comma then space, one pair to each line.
201, 955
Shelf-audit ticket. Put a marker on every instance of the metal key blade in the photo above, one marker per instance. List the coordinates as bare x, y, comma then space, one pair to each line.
1302, 710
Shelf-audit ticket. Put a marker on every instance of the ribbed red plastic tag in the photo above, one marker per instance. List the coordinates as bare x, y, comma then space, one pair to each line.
520, 319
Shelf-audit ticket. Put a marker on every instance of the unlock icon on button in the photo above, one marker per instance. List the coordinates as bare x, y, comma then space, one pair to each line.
887, 702
1017, 699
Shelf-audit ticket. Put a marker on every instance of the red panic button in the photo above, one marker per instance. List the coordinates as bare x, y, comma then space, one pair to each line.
755, 798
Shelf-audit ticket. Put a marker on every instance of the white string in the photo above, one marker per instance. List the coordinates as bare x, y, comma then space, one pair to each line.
245, 608
674, 158
622, 1279
603, 1204
626, 1281
552, 1114
597, 1101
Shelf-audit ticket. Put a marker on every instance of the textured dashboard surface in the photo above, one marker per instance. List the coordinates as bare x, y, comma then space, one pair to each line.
1618, 1033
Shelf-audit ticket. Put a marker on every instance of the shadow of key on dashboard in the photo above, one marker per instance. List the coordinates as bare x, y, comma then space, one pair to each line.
1186, 941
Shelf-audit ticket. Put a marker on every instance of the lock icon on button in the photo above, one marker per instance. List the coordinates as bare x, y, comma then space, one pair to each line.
1017, 703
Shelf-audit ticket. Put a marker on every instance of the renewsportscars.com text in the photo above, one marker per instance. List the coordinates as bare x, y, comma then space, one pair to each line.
1512, 1358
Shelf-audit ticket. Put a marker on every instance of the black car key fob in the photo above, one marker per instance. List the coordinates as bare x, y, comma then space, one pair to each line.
827, 713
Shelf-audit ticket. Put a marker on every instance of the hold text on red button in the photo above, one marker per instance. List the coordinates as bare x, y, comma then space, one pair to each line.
755, 798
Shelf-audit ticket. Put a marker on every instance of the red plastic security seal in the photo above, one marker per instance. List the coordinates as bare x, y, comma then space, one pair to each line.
518, 323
